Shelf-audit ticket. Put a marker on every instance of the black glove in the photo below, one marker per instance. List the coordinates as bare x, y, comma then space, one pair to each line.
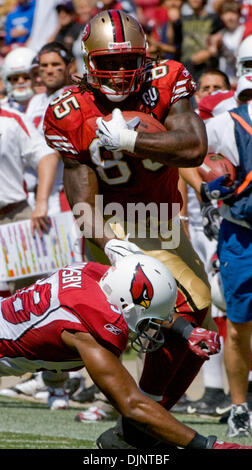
211, 220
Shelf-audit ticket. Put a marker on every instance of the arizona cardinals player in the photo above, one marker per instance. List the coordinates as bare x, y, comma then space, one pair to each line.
119, 74
82, 315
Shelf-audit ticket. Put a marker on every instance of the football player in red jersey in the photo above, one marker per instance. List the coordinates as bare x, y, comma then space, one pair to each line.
134, 167
81, 315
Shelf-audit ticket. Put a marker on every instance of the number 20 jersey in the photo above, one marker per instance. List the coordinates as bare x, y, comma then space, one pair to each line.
32, 320
122, 178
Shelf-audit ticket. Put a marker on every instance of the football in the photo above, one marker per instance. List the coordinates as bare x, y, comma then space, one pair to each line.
147, 122
216, 165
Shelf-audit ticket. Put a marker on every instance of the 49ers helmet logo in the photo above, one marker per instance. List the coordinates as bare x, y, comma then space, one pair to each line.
86, 32
141, 288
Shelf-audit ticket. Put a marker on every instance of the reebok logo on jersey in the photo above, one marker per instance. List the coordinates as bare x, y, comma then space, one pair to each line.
113, 329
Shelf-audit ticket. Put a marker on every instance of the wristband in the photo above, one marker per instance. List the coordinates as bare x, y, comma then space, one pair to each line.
198, 442
128, 140
182, 327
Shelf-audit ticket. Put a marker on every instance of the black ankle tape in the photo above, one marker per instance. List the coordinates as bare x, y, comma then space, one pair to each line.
182, 327
198, 442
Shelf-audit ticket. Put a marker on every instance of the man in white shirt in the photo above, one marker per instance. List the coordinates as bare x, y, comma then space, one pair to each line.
54, 62
21, 144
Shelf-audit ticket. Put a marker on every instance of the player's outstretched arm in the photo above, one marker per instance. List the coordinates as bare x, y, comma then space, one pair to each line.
111, 377
117, 384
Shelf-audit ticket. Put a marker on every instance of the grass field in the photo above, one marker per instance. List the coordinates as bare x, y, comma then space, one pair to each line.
32, 435
29, 425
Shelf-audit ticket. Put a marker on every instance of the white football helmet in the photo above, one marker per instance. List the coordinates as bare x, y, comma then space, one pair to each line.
16, 62
244, 57
217, 292
145, 290
114, 51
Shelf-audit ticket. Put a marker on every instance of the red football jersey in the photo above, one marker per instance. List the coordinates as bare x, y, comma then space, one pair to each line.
122, 178
33, 319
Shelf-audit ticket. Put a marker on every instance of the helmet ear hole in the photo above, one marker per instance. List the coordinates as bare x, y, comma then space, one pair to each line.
124, 304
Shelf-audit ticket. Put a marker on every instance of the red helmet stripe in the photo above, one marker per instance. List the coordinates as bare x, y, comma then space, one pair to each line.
116, 20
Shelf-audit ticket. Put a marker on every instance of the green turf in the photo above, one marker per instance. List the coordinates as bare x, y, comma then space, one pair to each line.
29, 425
211, 426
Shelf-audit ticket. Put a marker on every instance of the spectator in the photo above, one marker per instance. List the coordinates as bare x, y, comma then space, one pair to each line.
17, 79
69, 28
216, 103
45, 23
209, 82
3, 52
17, 85
6, 7
126, 5
196, 30
226, 42
165, 39
37, 83
84, 12
146, 11
54, 62
18, 24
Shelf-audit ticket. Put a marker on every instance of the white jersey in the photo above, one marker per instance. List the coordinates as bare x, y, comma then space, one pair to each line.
221, 139
37, 106
20, 145
221, 136
35, 112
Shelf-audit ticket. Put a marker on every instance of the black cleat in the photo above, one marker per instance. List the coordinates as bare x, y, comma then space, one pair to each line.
210, 404
86, 395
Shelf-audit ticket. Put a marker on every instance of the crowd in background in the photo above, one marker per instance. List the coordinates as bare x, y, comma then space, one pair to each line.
199, 33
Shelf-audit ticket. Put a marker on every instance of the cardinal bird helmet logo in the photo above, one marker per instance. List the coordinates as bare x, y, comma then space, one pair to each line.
141, 288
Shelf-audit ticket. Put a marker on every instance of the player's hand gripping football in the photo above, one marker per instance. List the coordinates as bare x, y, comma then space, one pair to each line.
221, 188
117, 134
118, 249
204, 343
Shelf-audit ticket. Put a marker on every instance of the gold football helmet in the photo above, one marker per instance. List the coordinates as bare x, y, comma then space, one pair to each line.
114, 51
